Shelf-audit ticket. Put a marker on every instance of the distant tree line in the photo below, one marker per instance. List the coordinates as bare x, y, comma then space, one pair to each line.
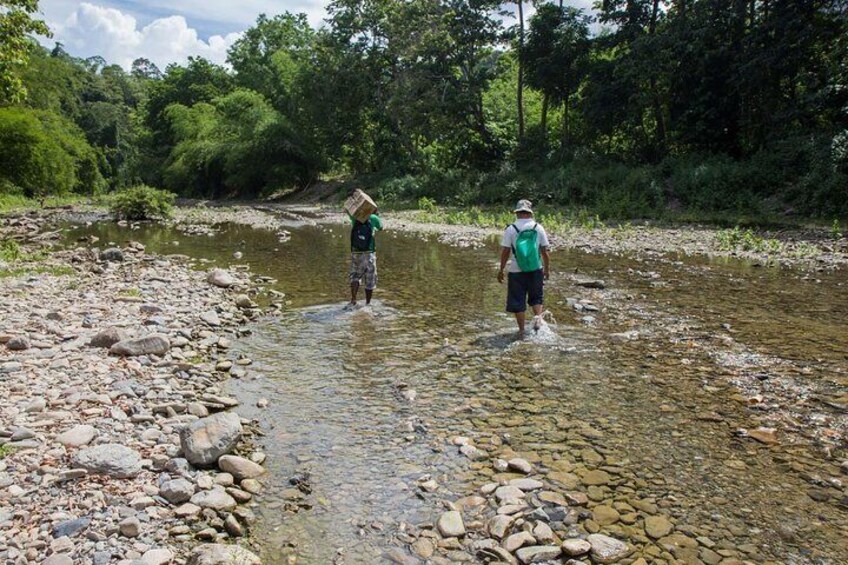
641, 106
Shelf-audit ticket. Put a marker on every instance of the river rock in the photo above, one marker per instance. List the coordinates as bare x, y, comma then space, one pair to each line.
450, 524
520, 539
233, 526
605, 515
109, 459
108, 337
176, 491
592, 283
130, 527
157, 557
113, 255
222, 554
508, 492
575, 547
205, 440
658, 526
216, 499
18, 343
499, 526
538, 553
526, 485
244, 302
154, 344
520, 465
239, 467
70, 528
58, 559
220, 278
606, 549
77, 436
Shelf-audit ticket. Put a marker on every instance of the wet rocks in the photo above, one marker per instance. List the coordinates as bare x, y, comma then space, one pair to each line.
575, 547
205, 440
520, 465
450, 524
155, 344
591, 283
109, 459
658, 526
538, 553
222, 554
606, 549
70, 528
239, 467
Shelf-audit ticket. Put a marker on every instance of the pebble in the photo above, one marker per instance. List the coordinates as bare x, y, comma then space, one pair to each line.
450, 524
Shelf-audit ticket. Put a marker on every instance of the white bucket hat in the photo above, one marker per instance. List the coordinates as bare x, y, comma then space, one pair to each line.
524, 206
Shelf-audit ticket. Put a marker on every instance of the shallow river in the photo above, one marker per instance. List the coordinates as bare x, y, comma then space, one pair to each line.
364, 404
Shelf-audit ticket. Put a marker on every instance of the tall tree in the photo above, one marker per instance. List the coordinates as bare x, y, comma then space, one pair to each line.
16, 25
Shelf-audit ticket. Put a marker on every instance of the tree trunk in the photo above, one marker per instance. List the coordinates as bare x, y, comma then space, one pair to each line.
520, 69
545, 116
566, 134
655, 95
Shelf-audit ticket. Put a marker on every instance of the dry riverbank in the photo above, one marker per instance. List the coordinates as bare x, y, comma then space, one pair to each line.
118, 443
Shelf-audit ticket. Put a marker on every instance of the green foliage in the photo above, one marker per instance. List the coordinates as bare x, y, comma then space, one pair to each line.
143, 203
43, 153
746, 240
237, 144
427, 205
16, 24
10, 251
835, 230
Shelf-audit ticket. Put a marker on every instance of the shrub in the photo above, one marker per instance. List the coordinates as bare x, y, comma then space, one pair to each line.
143, 203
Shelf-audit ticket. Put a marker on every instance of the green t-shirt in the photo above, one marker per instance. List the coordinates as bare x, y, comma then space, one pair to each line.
376, 225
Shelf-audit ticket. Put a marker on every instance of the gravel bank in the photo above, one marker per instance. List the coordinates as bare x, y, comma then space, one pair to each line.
113, 413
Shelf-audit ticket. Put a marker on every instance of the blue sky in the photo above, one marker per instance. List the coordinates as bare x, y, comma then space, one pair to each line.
165, 31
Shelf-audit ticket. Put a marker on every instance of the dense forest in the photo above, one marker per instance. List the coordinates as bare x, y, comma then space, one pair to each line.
639, 108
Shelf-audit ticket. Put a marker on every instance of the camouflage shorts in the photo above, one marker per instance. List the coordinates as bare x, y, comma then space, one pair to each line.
364, 266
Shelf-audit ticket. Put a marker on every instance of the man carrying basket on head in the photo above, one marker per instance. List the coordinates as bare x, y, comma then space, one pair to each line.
365, 223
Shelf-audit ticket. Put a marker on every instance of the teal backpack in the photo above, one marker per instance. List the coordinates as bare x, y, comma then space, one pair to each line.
526, 249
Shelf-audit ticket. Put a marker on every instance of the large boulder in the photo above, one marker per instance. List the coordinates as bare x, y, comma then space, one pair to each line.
205, 440
220, 278
222, 554
109, 459
154, 344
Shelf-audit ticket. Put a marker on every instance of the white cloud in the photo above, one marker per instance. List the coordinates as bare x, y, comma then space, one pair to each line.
114, 35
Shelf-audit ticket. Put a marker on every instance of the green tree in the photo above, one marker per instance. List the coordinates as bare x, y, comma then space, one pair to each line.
16, 24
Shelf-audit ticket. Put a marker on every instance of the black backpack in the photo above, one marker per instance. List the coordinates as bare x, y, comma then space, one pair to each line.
361, 235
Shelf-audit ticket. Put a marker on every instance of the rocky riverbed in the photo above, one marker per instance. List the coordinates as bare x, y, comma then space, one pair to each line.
549, 460
117, 443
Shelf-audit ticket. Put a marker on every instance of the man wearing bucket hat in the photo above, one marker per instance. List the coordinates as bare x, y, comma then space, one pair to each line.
526, 243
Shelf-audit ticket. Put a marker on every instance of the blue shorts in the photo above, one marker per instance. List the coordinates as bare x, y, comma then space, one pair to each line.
524, 289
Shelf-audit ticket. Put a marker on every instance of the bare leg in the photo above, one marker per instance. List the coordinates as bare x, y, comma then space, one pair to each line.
354, 290
368, 294
519, 317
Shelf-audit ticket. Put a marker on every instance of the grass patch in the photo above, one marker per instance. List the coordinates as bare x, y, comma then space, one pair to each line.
17, 203
553, 221
737, 239
131, 292
5, 451
53, 270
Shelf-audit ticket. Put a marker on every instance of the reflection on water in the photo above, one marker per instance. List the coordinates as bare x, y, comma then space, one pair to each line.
364, 402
